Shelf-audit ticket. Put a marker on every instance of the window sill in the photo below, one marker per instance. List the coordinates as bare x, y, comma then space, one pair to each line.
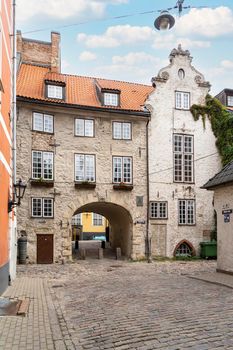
43, 132
122, 187
43, 183
85, 185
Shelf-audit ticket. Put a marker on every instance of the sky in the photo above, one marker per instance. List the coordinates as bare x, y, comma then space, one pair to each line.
93, 43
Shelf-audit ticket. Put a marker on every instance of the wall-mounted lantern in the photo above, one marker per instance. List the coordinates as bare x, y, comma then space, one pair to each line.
19, 190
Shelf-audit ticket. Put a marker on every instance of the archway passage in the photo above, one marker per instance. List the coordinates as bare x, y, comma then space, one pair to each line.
119, 228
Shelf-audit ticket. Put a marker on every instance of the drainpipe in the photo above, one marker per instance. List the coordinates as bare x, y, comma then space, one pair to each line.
148, 240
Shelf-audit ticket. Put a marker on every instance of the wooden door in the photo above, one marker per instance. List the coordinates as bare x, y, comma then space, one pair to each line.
44, 249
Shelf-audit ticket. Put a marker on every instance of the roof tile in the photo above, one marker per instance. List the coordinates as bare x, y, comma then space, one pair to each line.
80, 90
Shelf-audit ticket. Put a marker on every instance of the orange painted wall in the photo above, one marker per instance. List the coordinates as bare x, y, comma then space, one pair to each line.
5, 147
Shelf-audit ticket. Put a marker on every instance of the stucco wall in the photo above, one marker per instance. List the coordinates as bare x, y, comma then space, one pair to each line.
69, 198
165, 121
223, 200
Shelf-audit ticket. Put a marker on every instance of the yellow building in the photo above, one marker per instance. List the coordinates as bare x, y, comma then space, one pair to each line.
92, 225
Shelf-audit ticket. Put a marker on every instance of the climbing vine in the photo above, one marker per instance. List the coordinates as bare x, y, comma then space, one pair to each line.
221, 122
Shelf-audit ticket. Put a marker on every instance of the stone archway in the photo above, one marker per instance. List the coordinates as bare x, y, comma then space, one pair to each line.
120, 221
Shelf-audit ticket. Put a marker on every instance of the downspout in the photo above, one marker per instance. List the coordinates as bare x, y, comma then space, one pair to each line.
148, 239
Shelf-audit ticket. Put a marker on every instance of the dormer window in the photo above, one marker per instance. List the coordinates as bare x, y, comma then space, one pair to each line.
54, 91
111, 99
230, 101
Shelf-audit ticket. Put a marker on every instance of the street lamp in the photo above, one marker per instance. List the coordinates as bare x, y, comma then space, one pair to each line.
19, 190
164, 21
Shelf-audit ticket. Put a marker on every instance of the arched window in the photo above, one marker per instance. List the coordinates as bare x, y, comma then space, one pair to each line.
181, 74
184, 248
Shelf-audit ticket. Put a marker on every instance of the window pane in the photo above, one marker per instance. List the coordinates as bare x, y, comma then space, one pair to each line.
97, 219
48, 123
89, 128
126, 131
154, 210
55, 91
38, 121
89, 168
178, 143
110, 99
127, 170
163, 210
178, 167
186, 100
117, 131
77, 219
79, 167
37, 207
36, 164
230, 101
79, 129
190, 212
182, 216
188, 144
178, 100
117, 169
48, 165
188, 168
47, 207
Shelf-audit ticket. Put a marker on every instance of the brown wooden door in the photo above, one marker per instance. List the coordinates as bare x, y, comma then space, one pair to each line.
44, 249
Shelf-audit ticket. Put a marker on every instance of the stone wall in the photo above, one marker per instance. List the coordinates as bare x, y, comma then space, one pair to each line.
165, 121
223, 200
119, 207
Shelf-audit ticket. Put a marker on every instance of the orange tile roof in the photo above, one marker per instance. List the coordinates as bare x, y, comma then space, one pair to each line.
80, 90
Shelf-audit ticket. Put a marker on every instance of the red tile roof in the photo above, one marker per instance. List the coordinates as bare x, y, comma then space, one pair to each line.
80, 90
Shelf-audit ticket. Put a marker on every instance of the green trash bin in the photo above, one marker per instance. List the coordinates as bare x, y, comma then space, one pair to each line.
208, 249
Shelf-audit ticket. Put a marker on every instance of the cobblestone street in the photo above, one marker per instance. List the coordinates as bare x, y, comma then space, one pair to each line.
119, 305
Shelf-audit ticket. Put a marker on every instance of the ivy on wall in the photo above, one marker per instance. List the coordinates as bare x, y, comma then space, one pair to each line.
222, 125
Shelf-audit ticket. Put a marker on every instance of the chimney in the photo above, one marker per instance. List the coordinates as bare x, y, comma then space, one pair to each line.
55, 52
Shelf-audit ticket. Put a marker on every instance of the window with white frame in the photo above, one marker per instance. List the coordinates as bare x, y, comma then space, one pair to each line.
97, 219
43, 122
122, 170
84, 127
42, 207
55, 91
158, 210
183, 158
111, 99
230, 101
84, 167
186, 211
184, 250
42, 165
182, 100
122, 130
77, 220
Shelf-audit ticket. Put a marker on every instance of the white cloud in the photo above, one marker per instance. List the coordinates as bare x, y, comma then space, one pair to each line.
87, 56
206, 22
135, 58
117, 35
63, 9
226, 64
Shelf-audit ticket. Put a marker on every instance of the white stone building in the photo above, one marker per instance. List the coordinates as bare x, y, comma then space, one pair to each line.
182, 157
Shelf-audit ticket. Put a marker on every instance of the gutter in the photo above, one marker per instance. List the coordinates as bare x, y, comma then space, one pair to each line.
89, 108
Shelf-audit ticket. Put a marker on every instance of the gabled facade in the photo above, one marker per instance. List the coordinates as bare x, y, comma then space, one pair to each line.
182, 156
82, 147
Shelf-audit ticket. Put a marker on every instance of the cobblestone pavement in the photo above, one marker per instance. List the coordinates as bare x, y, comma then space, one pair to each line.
119, 305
